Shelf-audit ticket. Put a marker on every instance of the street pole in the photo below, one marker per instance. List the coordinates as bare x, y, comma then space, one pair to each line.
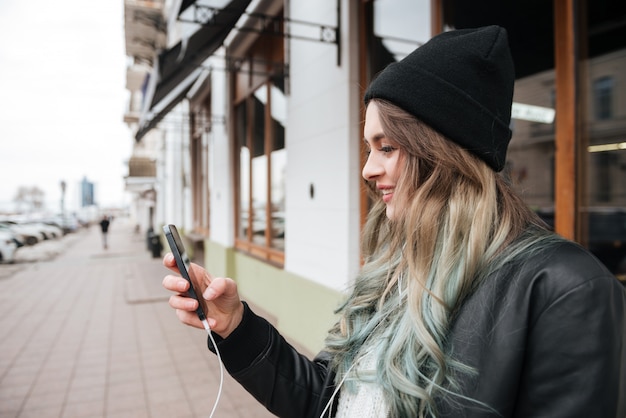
63, 198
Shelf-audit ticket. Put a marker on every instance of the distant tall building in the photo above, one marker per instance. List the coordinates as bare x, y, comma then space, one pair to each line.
86, 188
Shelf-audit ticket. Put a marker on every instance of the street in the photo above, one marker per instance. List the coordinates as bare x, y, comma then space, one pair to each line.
87, 332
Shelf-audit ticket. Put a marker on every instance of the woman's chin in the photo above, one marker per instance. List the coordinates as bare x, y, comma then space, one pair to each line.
390, 212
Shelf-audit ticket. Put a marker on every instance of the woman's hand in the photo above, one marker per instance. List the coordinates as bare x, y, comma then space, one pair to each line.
219, 298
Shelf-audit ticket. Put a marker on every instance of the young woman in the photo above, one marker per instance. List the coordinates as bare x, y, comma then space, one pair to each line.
466, 306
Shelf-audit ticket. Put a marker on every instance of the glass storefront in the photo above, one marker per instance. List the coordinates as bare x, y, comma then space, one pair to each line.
602, 83
567, 156
592, 165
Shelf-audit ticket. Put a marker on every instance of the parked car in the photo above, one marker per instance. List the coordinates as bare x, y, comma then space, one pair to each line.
19, 239
8, 247
49, 231
29, 234
67, 224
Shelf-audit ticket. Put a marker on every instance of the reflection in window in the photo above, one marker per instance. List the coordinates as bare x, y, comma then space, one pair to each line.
602, 163
603, 98
241, 129
259, 169
279, 166
262, 171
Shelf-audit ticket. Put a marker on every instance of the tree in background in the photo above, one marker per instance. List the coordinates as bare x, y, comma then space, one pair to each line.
32, 198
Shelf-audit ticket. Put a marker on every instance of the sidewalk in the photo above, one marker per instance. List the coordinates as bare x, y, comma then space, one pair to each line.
89, 334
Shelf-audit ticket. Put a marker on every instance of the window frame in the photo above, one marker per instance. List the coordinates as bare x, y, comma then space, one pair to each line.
255, 70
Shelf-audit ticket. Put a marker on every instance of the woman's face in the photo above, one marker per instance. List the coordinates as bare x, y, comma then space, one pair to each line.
383, 165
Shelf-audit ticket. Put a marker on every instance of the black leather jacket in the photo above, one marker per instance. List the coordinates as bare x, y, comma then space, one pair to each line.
546, 339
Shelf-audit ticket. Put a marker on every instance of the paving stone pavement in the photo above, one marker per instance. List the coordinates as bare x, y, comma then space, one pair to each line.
87, 333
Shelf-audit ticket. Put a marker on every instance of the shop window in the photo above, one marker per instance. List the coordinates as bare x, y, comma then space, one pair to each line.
261, 156
200, 120
262, 164
595, 163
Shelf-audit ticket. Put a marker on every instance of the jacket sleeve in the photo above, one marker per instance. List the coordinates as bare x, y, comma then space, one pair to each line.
576, 358
286, 382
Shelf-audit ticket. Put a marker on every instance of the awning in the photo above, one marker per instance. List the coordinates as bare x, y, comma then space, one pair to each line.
155, 117
184, 5
176, 63
181, 63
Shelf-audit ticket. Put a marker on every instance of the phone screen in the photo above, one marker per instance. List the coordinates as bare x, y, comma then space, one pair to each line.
182, 262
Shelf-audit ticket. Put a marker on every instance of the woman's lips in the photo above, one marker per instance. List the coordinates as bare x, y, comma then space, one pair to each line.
387, 195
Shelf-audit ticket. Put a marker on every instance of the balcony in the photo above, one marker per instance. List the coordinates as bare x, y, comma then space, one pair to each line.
141, 174
141, 167
145, 28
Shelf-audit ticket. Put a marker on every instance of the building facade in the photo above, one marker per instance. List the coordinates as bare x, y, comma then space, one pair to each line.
247, 121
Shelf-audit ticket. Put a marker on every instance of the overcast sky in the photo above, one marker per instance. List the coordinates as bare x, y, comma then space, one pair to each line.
62, 99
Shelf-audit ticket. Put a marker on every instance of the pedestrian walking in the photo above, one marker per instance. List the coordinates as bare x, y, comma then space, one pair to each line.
104, 227
466, 304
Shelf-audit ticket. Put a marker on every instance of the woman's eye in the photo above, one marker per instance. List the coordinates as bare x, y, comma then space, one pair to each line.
387, 149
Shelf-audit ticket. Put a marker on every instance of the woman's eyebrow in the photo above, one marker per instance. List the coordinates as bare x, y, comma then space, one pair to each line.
376, 138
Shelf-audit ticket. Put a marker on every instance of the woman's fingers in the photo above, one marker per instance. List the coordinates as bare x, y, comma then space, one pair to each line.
170, 262
175, 284
183, 303
221, 287
220, 300
215, 289
225, 308
189, 318
185, 308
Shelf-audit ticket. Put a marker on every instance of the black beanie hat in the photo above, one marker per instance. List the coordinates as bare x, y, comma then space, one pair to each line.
461, 84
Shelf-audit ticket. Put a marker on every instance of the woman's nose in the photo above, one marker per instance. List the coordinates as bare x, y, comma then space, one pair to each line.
371, 169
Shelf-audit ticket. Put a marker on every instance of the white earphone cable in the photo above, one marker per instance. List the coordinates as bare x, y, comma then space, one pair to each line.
219, 358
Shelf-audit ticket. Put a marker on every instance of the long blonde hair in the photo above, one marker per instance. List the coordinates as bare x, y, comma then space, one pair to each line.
455, 222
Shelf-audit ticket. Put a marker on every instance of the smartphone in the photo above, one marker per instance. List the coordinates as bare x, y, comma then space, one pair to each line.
183, 263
